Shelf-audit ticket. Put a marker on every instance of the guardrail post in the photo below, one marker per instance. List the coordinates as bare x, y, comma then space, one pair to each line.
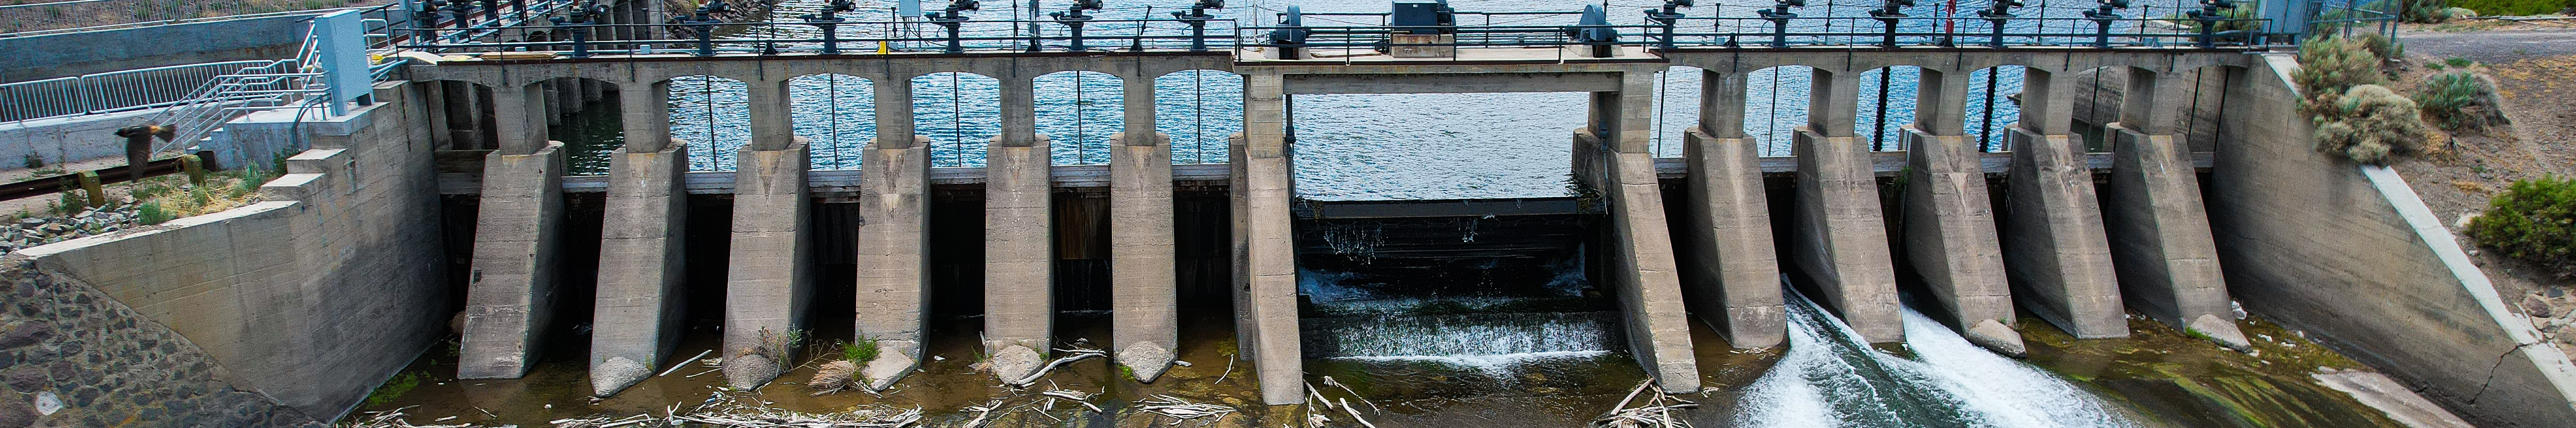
90, 185
195, 168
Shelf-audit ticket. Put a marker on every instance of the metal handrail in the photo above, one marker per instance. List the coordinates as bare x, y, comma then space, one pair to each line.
1099, 35
109, 92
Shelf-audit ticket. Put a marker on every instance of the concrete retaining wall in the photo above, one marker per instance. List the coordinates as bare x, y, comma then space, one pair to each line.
313, 297
2348, 254
74, 54
64, 139
108, 364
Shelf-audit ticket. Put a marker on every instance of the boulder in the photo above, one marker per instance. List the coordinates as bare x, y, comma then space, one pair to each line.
1995, 336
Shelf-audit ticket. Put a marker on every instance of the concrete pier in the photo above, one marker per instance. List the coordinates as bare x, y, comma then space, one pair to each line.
893, 284
893, 306
1268, 258
1019, 240
509, 298
2058, 259
1145, 329
1949, 220
1639, 245
1731, 274
767, 280
2159, 230
2054, 248
1950, 230
1842, 244
636, 320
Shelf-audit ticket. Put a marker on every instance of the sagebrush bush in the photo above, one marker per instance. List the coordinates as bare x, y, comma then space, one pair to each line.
2329, 66
2371, 124
2535, 221
2460, 101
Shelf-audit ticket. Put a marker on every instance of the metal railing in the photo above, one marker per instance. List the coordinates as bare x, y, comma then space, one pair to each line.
1967, 31
277, 84
110, 92
846, 36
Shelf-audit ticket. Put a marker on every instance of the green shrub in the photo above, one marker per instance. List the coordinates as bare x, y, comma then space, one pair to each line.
2370, 124
2535, 221
2460, 101
250, 182
151, 213
2458, 62
2512, 7
2424, 11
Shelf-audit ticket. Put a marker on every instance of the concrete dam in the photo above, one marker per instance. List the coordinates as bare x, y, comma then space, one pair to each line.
2166, 178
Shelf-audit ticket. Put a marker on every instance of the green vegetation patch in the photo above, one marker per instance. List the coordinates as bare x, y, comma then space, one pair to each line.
2513, 7
394, 388
2535, 221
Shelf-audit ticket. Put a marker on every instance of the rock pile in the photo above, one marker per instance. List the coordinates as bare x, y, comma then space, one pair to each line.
34, 231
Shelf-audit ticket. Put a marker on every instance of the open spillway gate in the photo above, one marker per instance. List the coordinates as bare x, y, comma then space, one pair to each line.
1701, 234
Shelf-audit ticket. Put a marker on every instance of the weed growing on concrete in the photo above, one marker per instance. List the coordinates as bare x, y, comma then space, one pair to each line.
33, 161
2533, 220
250, 181
861, 351
2460, 102
394, 389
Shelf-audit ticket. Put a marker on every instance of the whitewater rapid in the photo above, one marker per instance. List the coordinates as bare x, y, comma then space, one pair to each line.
1829, 378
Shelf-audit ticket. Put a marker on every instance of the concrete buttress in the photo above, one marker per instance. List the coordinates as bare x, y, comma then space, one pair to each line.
636, 320
510, 295
1267, 242
1731, 272
767, 284
893, 285
2055, 252
2161, 243
1019, 241
1950, 230
1640, 245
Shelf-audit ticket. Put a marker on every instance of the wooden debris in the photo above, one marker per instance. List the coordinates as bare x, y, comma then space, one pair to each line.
1655, 412
1073, 355
1182, 409
685, 363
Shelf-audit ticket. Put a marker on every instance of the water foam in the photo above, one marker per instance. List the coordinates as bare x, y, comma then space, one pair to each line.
1830, 379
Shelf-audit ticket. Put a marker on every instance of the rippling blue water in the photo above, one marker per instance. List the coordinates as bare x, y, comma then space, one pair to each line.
1409, 146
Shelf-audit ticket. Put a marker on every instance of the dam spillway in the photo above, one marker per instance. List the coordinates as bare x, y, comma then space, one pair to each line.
1829, 232
952, 216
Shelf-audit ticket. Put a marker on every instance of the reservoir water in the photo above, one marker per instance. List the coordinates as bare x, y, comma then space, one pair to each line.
1349, 147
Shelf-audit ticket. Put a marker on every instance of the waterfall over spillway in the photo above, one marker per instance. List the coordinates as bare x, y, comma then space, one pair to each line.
1354, 318
1829, 378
